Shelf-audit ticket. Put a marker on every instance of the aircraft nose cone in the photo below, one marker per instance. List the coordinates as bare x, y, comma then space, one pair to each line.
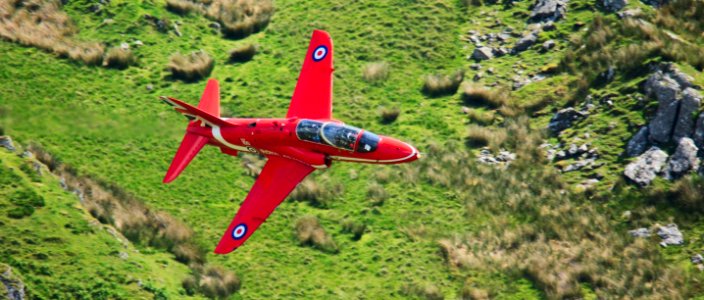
397, 151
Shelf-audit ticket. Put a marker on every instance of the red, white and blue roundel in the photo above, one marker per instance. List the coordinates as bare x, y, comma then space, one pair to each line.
239, 231
319, 53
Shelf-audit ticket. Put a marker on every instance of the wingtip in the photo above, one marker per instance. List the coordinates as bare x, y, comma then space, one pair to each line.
220, 249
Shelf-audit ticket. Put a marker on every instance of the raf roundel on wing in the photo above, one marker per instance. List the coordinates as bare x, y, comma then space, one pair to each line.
319, 53
239, 231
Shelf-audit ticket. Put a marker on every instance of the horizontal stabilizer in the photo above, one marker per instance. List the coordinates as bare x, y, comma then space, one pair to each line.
190, 146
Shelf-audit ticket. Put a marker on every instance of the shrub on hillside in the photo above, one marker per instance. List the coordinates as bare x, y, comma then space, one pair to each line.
376, 193
319, 192
118, 58
309, 232
191, 67
389, 115
375, 71
183, 7
214, 282
475, 95
44, 25
240, 18
480, 136
427, 291
243, 53
440, 85
357, 229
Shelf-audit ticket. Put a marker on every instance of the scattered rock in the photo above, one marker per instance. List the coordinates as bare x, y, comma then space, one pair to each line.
482, 53
586, 185
549, 44
578, 165
640, 232
176, 31
670, 235
6, 142
125, 46
498, 52
689, 105
646, 167
525, 42
698, 136
123, 255
475, 66
638, 143
563, 119
684, 159
548, 10
14, 287
549, 26
477, 76
614, 5
697, 259
503, 158
665, 89
138, 43
150, 87
655, 3
215, 25
630, 13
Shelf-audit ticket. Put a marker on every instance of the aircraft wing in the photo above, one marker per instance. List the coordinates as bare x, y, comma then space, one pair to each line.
277, 179
312, 97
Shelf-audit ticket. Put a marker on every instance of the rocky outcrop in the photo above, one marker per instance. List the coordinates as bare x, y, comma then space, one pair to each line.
689, 105
698, 135
665, 90
683, 160
614, 5
670, 235
564, 118
646, 167
525, 42
502, 158
640, 232
14, 287
6, 142
548, 10
638, 143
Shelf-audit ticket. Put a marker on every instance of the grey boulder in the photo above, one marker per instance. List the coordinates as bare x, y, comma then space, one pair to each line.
525, 42
638, 143
670, 235
683, 160
564, 118
646, 167
640, 232
698, 135
614, 5
689, 105
548, 10
482, 53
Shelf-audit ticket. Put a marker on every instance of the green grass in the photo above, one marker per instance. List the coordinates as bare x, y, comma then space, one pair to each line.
107, 125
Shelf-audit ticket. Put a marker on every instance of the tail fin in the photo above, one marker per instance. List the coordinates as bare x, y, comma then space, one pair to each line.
208, 111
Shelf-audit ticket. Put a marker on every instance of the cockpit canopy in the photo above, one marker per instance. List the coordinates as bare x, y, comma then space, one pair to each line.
337, 135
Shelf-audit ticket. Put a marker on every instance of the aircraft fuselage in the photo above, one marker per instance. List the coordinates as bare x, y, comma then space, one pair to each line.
312, 142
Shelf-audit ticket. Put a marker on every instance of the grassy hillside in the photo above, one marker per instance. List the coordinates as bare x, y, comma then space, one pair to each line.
443, 227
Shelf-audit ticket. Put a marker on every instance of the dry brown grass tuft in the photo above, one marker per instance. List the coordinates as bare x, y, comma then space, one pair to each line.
480, 136
119, 58
376, 193
376, 71
475, 95
309, 232
480, 117
357, 229
191, 67
184, 7
440, 85
212, 281
318, 191
427, 291
240, 18
389, 115
243, 53
44, 25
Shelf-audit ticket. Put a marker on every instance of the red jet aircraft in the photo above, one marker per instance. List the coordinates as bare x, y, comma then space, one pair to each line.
307, 139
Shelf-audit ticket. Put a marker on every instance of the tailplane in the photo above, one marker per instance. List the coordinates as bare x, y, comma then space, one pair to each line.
207, 113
